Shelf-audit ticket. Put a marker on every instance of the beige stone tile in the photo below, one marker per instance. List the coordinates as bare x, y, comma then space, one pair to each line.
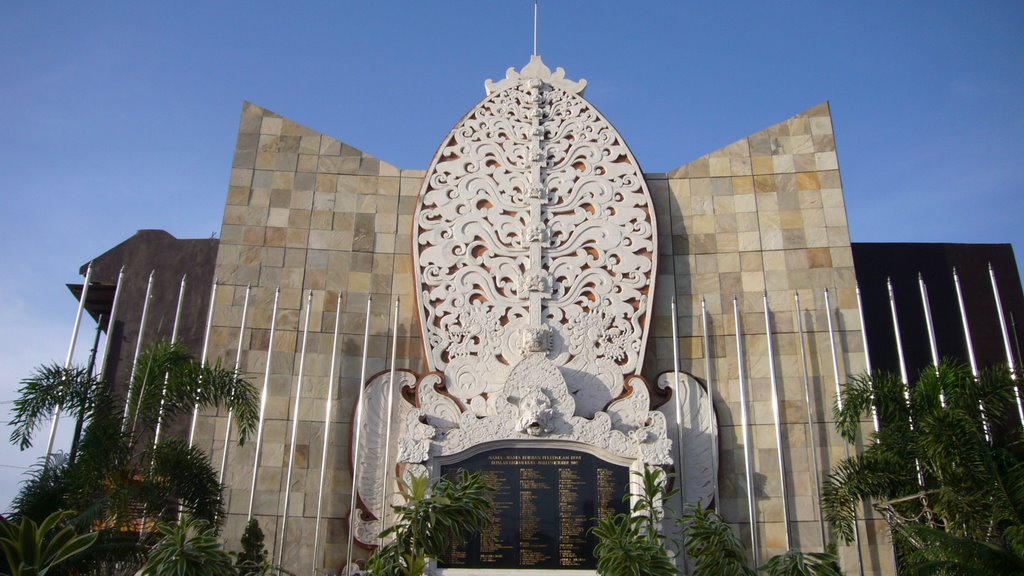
761, 165
782, 164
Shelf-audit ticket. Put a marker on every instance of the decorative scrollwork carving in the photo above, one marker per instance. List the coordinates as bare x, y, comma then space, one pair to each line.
535, 214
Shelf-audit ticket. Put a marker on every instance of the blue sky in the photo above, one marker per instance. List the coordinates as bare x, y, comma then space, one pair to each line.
122, 115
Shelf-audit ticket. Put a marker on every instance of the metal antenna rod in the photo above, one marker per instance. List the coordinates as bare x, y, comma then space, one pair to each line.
327, 436
295, 430
352, 513
263, 404
747, 438
202, 359
238, 365
70, 356
777, 411
810, 419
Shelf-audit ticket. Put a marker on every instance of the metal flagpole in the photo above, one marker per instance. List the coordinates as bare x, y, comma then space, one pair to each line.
110, 325
903, 371
867, 357
1006, 342
839, 403
163, 392
931, 334
810, 419
138, 348
678, 397
358, 432
899, 340
238, 366
327, 437
295, 430
747, 438
970, 350
70, 357
778, 420
934, 347
967, 326
91, 366
202, 360
263, 404
1016, 340
387, 419
711, 395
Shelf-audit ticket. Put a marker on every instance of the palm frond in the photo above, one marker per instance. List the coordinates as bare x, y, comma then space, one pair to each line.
937, 552
858, 399
49, 387
182, 475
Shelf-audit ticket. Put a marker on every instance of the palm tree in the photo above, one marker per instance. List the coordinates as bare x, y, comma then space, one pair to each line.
946, 468
121, 483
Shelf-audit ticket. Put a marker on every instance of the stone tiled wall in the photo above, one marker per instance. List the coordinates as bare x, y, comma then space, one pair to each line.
307, 213
762, 215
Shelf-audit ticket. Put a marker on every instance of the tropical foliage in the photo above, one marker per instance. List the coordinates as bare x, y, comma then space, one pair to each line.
434, 517
188, 548
633, 544
31, 550
121, 483
712, 544
946, 469
716, 551
253, 557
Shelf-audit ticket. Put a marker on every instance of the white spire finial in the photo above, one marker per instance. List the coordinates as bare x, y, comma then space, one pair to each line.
535, 27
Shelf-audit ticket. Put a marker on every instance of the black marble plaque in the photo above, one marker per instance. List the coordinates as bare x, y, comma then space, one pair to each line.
544, 504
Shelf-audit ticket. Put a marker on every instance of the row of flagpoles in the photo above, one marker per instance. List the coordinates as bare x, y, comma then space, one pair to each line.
706, 336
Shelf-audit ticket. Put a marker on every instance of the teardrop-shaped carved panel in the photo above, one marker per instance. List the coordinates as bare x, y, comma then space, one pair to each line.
534, 232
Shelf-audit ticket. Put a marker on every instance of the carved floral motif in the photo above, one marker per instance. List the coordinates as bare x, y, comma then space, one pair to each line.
534, 214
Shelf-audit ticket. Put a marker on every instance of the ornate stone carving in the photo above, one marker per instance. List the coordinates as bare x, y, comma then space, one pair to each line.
535, 414
534, 340
700, 463
532, 75
535, 401
372, 452
534, 212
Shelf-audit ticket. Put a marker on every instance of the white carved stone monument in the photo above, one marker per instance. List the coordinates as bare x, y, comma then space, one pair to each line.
535, 254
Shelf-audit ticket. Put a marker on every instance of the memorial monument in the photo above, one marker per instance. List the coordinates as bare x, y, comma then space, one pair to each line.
535, 307
534, 254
